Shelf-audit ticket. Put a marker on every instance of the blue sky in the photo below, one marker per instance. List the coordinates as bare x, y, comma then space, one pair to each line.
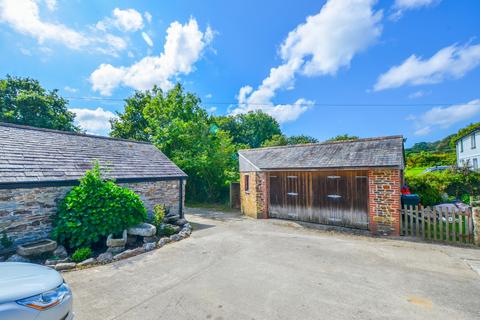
322, 68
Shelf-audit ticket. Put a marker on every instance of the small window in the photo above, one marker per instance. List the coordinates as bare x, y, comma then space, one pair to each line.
247, 183
461, 145
475, 164
474, 141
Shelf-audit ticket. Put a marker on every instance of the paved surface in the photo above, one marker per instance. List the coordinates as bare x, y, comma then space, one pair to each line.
236, 268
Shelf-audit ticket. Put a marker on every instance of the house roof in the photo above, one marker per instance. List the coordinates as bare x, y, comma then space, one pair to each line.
38, 155
361, 153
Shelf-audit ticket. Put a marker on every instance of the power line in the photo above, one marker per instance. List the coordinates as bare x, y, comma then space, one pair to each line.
302, 104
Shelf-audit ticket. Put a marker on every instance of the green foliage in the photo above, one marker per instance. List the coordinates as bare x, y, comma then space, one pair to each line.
281, 140
95, 209
427, 159
159, 213
24, 101
275, 141
81, 254
343, 137
166, 230
440, 146
454, 183
131, 124
251, 129
464, 131
175, 122
5, 240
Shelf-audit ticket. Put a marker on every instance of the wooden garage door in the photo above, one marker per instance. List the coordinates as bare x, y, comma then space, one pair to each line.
326, 197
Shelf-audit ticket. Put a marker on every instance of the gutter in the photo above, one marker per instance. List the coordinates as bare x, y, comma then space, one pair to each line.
76, 182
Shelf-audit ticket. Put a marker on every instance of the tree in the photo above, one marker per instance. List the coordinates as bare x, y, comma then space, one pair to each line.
301, 139
251, 129
131, 124
24, 101
282, 140
343, 137
175, 122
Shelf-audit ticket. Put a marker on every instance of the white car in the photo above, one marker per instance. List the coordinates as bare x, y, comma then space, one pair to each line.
30, 291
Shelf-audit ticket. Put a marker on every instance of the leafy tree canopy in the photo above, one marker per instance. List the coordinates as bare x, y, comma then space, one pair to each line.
462, 132
176, 123
282, 140
251, 129
343, 137
24, 101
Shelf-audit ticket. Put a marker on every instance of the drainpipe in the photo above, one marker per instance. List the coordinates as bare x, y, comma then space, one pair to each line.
180, 201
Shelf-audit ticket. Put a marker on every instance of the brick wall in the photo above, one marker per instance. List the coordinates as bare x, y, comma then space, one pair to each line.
26, 213
384, 201
254, 203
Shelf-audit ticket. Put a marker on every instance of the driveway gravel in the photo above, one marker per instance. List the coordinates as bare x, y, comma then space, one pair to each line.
234, 267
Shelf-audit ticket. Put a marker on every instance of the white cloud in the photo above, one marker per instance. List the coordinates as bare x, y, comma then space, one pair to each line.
148, 16
444, 117
93, 121
147, 39
183, 47
128, 20
51, 4
70, 89
24, 17
450, 62
209, 96
418, 94
400, 6
322, 45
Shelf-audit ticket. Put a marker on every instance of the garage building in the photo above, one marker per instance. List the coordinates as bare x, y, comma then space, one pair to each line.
355, 183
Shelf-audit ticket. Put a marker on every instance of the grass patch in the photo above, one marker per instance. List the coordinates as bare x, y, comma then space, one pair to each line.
414, 171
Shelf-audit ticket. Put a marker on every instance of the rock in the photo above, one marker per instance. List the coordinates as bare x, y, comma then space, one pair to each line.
175, 237
52, 262
17, 258
174, 227
181, 222
172, 219
162, 242
65, 266
131, 240
149, 239
87, 262
2, 259
187, 226
36, 248
60, 252
117, 242
116, 250
143, 229
149, 246
129, 253
105, 257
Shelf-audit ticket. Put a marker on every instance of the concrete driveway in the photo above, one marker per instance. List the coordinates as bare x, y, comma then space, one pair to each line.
237, 268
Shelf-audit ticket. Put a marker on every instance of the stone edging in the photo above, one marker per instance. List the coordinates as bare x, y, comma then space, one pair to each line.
107, 257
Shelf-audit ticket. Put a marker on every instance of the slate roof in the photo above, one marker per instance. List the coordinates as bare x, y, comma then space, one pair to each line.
373, 152
30, 154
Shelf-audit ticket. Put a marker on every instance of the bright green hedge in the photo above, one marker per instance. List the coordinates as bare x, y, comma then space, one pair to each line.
95, 209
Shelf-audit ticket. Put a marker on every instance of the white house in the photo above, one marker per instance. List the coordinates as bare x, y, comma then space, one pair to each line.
468, 150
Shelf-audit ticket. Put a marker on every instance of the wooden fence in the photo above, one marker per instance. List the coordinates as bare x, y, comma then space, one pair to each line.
452, 225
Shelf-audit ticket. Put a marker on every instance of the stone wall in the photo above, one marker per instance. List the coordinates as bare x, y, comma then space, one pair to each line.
26, 213
254, 203
157, 192
384, 201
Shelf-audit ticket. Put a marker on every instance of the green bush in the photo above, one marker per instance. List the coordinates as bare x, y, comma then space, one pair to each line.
5, 240
455, 183
81, 254
428, 159
166, 230
95, 209
159, 212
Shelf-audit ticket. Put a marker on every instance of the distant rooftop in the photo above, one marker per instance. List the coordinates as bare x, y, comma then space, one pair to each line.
31, 154
371, 152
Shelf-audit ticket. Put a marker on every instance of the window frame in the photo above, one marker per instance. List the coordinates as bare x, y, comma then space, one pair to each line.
474, 141
475, 164
247, 183
461, 145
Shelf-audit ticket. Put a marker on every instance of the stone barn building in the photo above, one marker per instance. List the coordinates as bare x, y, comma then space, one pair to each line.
39, 166
355, 183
